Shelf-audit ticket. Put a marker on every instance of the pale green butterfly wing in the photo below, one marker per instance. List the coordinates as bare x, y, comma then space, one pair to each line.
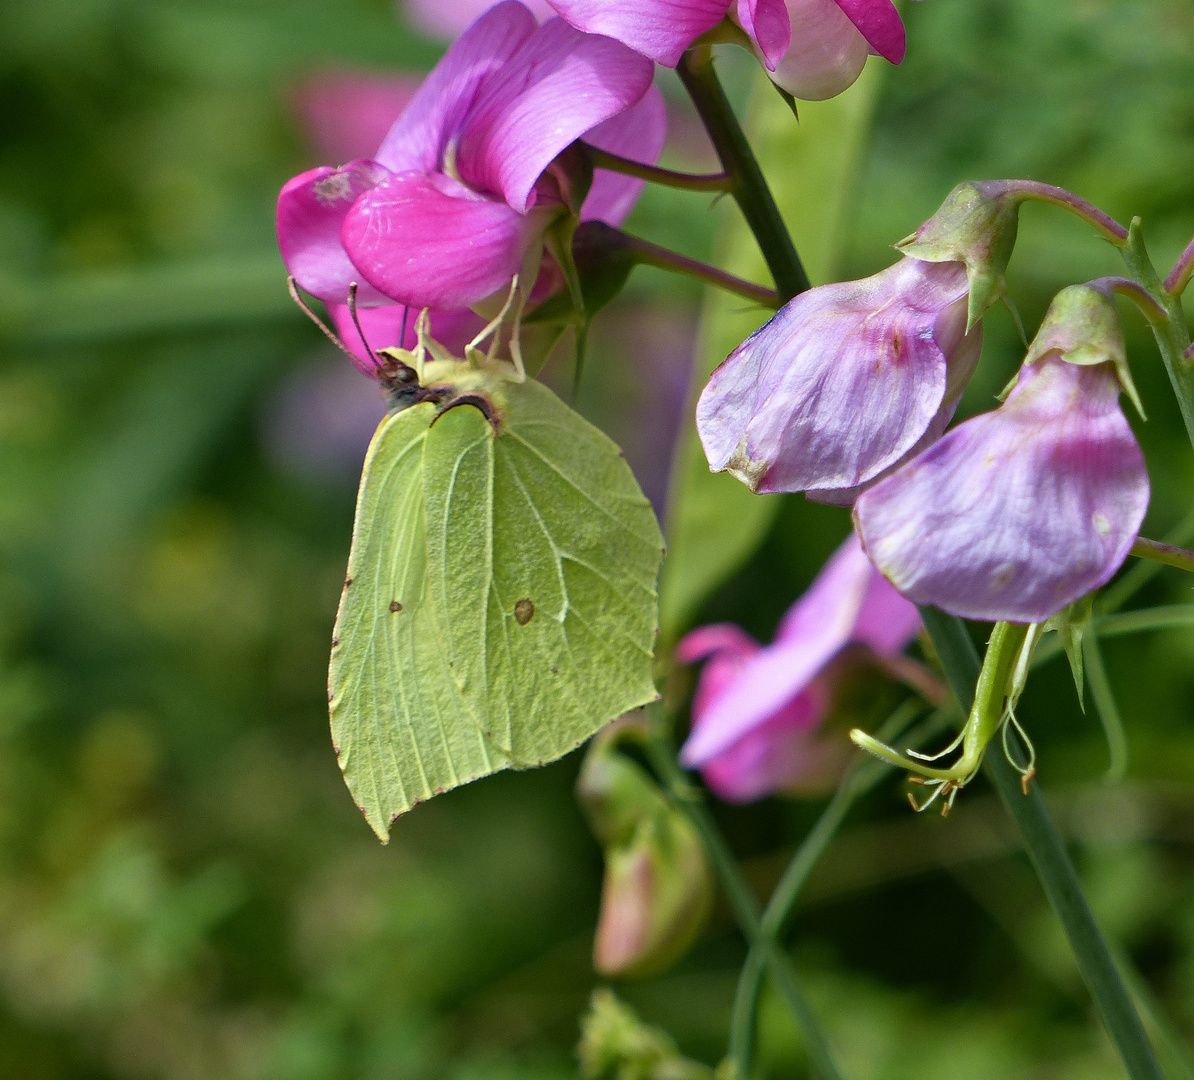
544, 557
402, 730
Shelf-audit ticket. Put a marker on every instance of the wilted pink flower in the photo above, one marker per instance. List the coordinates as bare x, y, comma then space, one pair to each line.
460, 193
812, 48
757, 707
1018, 512
843, 383
447, 18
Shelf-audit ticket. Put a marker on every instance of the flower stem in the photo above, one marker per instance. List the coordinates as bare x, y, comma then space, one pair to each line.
857, 782
645, 253
1144, 548
1051, 862
748, 185
1173, 335
1179, 276
603, 159
687, 799
1111, 229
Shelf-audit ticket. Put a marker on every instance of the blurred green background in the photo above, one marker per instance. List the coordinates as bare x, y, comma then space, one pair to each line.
186, 889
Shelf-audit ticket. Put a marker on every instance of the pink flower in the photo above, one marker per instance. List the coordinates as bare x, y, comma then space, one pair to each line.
757, 708
812, 48
447, 18
1018, 512
845, 382
458, 197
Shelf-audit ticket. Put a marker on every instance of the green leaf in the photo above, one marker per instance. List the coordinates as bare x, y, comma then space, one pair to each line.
715, 523
500, 604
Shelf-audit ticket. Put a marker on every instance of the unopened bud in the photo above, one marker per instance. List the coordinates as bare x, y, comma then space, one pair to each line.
616, 1045
658, 887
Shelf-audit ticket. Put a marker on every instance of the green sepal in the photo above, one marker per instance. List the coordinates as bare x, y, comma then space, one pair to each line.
1072, 624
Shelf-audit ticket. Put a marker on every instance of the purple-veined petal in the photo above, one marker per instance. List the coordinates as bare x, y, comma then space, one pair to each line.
660, 29
448, 18
347, 113
311, 211
778, 754
809, 636
705, 641
560, 84
766, 23
428, 241
639, 134
421, 137
962, 352
1018, 512
879, 22
839, 385
827, 52
383, 329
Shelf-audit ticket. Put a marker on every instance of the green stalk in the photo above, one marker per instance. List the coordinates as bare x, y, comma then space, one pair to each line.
1051, 862
1173, 335
748, 186
687, 798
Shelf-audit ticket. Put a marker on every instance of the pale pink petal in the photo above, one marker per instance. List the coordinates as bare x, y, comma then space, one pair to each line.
778, 754
560, 84
879, 22
447, 18
638, 134
838, 386
660, 29
827, 52
1018, 512
767, 24
347, 114
420, 137
810, 635
311, 211
704, 641
428, 242
886, 621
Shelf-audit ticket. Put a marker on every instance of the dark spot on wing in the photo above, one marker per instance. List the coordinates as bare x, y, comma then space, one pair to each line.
524, 611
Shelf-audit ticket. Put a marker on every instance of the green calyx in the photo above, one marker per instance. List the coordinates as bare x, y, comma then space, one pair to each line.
975, 225
1083, 327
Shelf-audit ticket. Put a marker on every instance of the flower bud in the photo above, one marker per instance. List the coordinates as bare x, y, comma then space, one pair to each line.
658, 888
976, 225
843, 383
616, 1045
1018, 512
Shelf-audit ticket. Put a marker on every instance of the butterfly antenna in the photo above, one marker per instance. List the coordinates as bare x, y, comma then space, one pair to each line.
292, 288
356, 321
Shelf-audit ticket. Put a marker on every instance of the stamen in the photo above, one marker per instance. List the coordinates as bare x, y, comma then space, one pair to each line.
1028, 770
936, 757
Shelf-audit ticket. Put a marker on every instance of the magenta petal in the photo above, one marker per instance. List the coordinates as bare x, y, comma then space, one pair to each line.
639, 134
879, 22
383, 328
779, 753
660, 29
447, 18
704, 641
311, 211
839, 385
347, 113
561, 83
428, 242
767, 24
420, 137
1018, 512
886, 621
